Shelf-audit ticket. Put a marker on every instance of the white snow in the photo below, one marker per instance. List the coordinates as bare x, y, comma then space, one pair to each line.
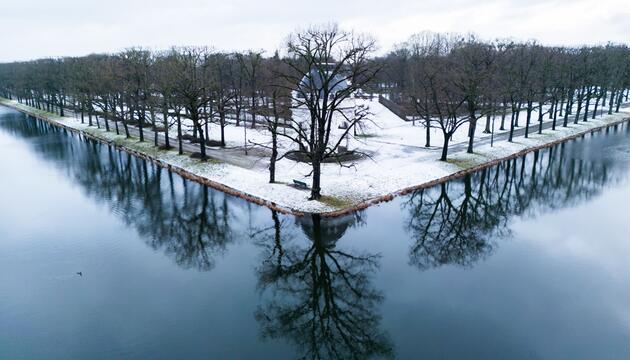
399, 159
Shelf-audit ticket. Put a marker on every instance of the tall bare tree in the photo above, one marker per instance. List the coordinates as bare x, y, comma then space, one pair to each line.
326, 66
191, 85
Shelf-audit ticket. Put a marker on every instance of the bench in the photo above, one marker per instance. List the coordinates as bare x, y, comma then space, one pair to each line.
300, 184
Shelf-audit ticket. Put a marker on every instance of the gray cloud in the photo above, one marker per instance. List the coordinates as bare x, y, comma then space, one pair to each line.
34, 28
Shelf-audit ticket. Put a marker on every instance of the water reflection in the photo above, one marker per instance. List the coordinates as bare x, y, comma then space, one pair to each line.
460, 222
319, 295
316, 291
189, 222
315, 294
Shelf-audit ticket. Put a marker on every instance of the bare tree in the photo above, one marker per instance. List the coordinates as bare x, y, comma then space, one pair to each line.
137, 63
191, 86
423, 49
275, 107
223, 92
326, 66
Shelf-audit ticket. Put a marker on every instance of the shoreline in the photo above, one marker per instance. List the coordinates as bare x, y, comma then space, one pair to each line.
473, 163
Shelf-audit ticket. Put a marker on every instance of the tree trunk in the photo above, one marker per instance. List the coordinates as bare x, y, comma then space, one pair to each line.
180, 145
471, 134
317, 173
513, 115
206, 125
140, 120
238, 114
428, 133
167, 144
105, 116
98, 123
503, 113
604, 102
114, 113
274, 157
202, 143
529, 117
61, 104
154, 125
195, 132
487, 128
555, 116
588, 102
253, 110
540, 116
567, 111
222, 124
123, 116
579, 106
611, 101
194, 117
89, 115
597, 98
445, 147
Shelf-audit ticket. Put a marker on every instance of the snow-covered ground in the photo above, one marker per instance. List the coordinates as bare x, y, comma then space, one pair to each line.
399, 159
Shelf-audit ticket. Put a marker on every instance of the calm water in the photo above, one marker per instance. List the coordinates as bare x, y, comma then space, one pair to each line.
525, 260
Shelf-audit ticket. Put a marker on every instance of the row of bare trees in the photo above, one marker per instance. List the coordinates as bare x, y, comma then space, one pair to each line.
449, 81
166, 91
149, 89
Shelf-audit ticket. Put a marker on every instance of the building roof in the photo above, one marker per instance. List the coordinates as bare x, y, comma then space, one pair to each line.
314, 81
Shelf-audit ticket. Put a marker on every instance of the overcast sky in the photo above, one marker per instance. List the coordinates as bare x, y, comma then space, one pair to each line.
34, 29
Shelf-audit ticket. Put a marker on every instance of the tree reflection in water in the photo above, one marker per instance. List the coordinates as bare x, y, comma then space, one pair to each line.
459, 222
318, 295
189, 222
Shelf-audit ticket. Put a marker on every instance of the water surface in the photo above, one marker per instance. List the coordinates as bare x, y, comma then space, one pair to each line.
528, 259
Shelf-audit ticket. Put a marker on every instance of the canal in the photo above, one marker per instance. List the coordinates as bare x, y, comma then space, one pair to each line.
106, 256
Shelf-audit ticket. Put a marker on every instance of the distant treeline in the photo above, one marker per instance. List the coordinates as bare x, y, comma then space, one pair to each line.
444, 80
136, 86
448, 80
